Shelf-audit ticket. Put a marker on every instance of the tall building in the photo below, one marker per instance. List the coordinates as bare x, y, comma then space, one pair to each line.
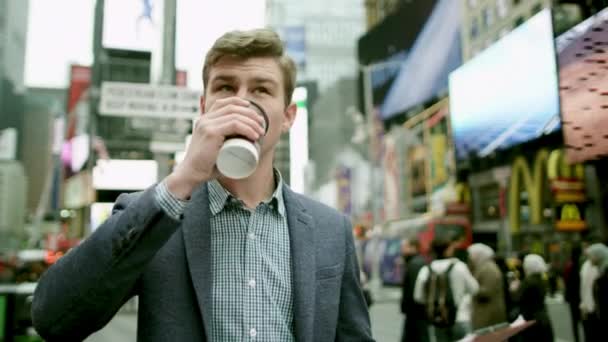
332, 128
12, 203
42, 106
486, 21
13, 34
321, 36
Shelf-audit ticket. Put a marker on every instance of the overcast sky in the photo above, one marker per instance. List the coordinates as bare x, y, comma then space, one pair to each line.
60, 33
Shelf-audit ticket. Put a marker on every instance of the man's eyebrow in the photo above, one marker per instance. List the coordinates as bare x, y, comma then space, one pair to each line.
264, 80
225, 78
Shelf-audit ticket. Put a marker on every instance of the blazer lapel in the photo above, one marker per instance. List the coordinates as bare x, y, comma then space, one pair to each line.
301, 238
197, 240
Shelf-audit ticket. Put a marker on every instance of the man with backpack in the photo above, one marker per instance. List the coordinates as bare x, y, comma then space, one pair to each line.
441, 287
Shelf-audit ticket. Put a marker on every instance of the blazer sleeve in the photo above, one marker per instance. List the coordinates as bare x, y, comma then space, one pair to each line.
353, 320
85, 288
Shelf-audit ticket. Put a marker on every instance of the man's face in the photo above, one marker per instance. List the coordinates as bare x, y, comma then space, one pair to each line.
407, 248
258, 79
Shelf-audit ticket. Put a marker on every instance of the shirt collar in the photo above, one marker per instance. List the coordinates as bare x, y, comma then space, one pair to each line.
219, 197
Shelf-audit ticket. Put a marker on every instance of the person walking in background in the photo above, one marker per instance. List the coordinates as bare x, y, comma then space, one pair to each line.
589, 273
501, 262
532, 301
415, 327
572, 281
488, 303
598, 254
441, 287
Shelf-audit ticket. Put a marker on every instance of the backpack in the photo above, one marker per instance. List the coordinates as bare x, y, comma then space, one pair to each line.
439, 304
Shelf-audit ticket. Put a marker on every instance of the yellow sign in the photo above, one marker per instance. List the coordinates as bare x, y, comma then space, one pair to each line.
552, 166
570, 212
439, 143
533, 185
570, 218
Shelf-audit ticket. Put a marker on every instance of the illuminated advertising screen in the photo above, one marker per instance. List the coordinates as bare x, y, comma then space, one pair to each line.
508, 94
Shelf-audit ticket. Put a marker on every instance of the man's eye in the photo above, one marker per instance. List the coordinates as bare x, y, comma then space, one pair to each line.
261, 90
225, 87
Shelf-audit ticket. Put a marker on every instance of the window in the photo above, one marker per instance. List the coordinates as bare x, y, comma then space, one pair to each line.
449, 232
502, 8
488, 17
474, 28
489, 202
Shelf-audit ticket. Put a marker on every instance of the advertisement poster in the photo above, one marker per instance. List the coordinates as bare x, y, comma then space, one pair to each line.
131, 24
583, 75
391, 179
438, 145
417, 157
80, 80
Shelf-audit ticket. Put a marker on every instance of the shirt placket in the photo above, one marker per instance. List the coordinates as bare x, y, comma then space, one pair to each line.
252, 278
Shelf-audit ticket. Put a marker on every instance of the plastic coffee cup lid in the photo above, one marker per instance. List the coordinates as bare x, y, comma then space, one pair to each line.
237, 159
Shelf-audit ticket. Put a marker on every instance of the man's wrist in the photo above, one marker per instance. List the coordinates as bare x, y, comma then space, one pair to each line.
171, 205
180, 186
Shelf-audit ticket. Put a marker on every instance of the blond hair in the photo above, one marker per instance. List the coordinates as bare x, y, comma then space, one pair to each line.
253, 43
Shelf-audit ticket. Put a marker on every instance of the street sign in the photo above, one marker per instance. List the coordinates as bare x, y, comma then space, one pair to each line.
148, 100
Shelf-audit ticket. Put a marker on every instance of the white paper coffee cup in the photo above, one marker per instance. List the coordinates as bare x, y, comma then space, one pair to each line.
238, 158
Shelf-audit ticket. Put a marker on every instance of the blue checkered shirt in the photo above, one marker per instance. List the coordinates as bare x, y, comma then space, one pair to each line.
252, 297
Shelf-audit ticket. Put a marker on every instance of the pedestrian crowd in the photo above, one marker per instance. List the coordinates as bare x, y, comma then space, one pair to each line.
448, 295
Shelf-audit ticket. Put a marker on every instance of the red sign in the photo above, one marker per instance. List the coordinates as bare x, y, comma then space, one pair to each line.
80, 80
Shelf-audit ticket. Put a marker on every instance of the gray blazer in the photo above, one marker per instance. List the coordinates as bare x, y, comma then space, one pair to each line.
141, 251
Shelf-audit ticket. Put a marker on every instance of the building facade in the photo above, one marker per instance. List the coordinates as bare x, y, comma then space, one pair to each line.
321, 36
13, 34
486, 21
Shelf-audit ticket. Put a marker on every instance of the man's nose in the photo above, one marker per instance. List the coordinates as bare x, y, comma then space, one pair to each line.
242, 93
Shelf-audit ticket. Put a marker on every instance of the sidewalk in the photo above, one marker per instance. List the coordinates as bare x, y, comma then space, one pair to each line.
387, 320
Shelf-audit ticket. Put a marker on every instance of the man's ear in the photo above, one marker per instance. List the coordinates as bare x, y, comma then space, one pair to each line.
289, 117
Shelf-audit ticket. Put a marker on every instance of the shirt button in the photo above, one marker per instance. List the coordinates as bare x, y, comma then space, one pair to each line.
251, 236
253, 332
251, 283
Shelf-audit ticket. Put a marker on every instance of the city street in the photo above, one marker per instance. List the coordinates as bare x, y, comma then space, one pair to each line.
386, 321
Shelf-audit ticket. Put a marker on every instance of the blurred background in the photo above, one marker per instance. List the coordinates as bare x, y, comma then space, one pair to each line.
482, 120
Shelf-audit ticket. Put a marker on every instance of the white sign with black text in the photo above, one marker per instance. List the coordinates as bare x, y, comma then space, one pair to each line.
148, 100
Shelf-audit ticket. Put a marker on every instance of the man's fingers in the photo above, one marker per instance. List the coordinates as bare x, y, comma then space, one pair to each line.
230, 125
235, 100
233, 111
237, 117
232, 108
237, 127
